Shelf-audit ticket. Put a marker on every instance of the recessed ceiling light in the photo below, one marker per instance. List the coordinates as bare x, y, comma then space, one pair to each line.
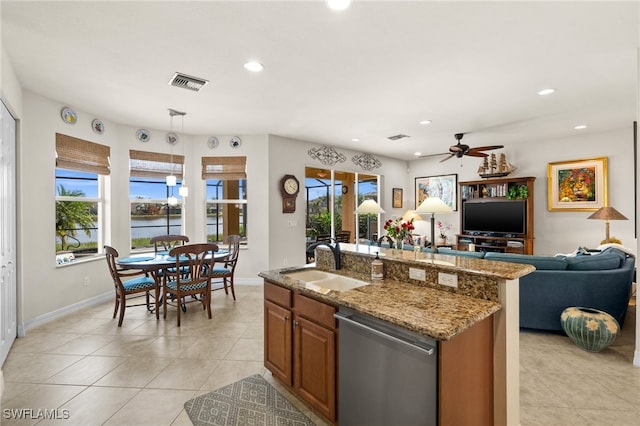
254, 66
580, 126
425, 122
417, 154
338, 4
355, 140
548, 91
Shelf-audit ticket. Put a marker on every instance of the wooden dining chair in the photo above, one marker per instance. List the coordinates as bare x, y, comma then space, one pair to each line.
225, 272
167, 242
130, 286
195, 282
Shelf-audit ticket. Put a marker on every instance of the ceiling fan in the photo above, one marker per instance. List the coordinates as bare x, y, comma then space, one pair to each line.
459, 149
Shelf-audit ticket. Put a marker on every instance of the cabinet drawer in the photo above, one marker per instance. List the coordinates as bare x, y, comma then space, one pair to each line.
278, 295
314, 310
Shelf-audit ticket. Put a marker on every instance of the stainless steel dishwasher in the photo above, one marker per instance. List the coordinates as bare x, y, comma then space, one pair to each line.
388, 375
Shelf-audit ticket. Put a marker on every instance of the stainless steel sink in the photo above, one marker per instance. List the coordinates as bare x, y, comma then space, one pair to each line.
324, 282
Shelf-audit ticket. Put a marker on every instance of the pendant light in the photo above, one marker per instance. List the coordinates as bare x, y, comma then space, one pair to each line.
171, 179
183, 191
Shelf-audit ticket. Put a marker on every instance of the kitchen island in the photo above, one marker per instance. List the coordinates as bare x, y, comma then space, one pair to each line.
478, 316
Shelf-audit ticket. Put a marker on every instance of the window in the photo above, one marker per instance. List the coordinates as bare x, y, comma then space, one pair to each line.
332, 196
226, 196
148, 193
81, 170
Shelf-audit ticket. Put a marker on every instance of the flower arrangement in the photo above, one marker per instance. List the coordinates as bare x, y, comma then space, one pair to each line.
397, 229
444, 227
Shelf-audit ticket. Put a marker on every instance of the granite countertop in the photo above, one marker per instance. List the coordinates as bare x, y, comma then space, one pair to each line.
442, 261
435, 313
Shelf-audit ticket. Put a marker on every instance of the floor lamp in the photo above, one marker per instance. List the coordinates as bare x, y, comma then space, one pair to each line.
433, 205
607, 214
368, 207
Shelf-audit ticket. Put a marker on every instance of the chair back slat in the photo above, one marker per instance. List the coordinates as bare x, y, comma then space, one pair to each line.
167, 242
199, 260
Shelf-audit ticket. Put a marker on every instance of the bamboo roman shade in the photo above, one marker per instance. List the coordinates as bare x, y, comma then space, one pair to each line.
224, 168
155, 164
78, 154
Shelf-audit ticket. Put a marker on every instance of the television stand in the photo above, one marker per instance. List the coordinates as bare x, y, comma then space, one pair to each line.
491, 243
497, 190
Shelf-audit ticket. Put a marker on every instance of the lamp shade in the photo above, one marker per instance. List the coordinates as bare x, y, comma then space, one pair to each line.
607, 213
411, 214
183, 191
369, 207
433, 205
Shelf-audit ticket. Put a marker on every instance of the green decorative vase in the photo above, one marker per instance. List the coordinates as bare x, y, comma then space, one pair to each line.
590, 329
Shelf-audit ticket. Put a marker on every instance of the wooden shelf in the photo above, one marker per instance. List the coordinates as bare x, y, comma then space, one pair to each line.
496, 189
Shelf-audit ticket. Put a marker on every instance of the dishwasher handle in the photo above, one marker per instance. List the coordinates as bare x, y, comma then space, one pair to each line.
349, 320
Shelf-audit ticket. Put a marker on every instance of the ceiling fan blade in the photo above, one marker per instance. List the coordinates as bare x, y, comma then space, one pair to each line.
447, 158
434, 155
486, 148
476, 154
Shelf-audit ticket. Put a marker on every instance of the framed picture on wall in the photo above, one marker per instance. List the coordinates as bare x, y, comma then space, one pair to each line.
577, 185
397, 198
444, 187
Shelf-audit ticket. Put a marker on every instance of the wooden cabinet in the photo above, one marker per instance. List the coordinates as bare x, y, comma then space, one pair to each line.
466, 374
505, 190
300, 346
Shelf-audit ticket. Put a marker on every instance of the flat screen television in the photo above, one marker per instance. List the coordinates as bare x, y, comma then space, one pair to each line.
497, 218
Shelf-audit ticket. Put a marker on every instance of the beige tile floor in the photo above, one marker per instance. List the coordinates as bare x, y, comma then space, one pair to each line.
143, 372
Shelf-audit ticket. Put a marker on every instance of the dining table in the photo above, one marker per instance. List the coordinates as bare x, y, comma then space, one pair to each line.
154, 263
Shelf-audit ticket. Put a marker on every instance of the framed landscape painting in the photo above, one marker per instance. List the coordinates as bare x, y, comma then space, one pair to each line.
578, 185
444, 187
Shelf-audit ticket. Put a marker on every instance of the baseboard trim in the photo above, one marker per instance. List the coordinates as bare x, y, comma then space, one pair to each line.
58, 313
636, 358
96, 300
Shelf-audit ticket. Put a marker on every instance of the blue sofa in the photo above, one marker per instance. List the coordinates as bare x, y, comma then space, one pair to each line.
600, 280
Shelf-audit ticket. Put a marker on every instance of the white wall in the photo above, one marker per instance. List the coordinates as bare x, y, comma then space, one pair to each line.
559, 232
288, 156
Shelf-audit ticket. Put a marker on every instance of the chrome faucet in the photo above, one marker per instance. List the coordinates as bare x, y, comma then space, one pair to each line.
335, 249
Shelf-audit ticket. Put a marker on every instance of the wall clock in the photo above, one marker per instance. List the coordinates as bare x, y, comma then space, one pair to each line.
289, 189
235, 142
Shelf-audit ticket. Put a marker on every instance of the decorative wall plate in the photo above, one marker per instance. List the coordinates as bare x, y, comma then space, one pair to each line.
213, 142
68, 115
172, 138
97, 126
235, 142
143, 135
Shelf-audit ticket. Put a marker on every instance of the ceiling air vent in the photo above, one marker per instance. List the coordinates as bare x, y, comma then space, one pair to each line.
396, 137
188, 82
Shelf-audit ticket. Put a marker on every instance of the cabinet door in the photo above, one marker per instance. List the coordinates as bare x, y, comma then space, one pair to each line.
277, 341
315, 365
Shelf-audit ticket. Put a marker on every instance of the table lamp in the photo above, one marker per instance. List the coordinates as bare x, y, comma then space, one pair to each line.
433, 205
369, 207
607, 214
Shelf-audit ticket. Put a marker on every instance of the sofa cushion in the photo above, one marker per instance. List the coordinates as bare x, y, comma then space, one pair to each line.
540, 262
463, 253
595, 262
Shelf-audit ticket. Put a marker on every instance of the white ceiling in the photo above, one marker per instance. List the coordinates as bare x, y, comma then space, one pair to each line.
372, 71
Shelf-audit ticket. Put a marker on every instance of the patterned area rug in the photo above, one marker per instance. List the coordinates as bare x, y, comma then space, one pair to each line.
250, 401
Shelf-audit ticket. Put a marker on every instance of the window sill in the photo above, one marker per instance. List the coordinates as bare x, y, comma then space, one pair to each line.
87, 259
